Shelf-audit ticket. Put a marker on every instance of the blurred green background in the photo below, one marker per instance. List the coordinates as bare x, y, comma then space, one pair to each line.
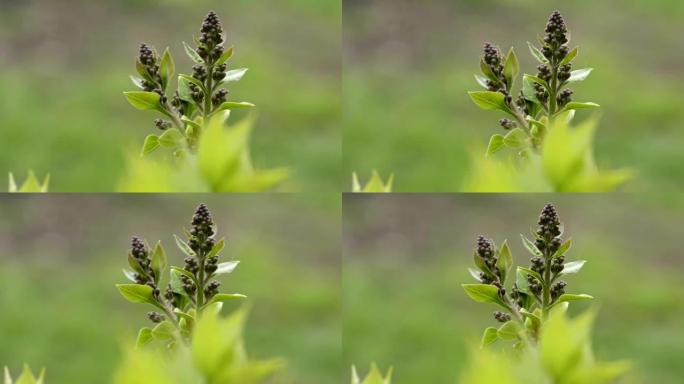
409, 64
65, 63
405, 258
60, 256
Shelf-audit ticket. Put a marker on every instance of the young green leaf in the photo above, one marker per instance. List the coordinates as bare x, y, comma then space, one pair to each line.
489, 100
137, 82
573, 267
516, 138
488, 72
482, 81
227, 54
579, 74
536, 53
218, 247
221, 297
572, 297
144, 100
234, 75
565, 247
509, 330
511, 67
483, 293
531, 273
496, 143
489, 336
163, 331
171, 138
183, 246
158, 260
475, 274
192, 54
530, 246
570, 56
505, 260
130, 275
151, 143
578, 105
191, 79
166, 68
144, 337
226, 267
137, 293
230, 105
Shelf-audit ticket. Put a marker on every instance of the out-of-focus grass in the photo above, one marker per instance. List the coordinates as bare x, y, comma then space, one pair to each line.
408, 66
405, 258
62, 255
65, 64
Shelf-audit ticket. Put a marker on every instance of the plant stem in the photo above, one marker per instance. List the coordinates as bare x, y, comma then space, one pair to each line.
554, 90
200, 282
207, 96
546, 285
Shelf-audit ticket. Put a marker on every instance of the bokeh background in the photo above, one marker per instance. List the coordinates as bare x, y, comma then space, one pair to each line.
405, 258
60, 256
408, 65
65, 63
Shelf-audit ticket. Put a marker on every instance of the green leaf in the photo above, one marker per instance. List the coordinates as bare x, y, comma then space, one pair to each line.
218, 247
571, 55
227, 54
536, 53
227, 267
230, 105
137, 293
221, 297
489, 336
489, 100
142, 71
563, 342
475, 274
191, 79
563, 248
531, 273
536, 79
573, 267
482, 81
183, 246
488, 72
163, 331
184, 89
509, 331
572, 297
530, 315
144, 337
130, 275
137, 82
483, 293
171, 138
516, 138
496, 143
505, 260
479, 262
144, 100
166, 68
151, 143
192, 54
215, 340
511, 67
192, 123
578, 105
158, 260
234, 75
8, 378
579, 74
530, 246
